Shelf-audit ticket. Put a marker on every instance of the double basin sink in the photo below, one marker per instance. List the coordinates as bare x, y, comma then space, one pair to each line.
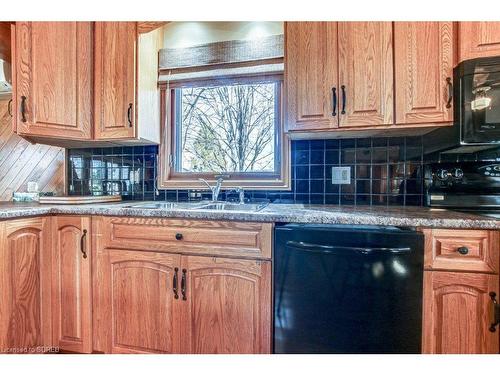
210, 206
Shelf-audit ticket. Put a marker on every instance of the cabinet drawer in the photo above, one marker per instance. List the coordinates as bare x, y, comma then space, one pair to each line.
240, 239
461, 250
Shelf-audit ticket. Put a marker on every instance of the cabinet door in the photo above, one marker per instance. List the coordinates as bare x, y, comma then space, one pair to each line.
115, 76
54, 79
228, 306
478, 39
311, 75
365, 73
458, 313
25, 293
137, 308
72, 304
423, 90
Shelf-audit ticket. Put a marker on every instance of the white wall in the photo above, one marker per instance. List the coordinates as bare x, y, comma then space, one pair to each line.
187, 34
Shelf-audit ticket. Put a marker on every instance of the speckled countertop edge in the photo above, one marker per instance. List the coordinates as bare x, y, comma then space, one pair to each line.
283, 213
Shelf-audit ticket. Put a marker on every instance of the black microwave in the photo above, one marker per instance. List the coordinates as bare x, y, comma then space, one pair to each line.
477, 101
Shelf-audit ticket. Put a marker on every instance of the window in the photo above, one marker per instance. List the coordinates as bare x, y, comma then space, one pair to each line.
230, 127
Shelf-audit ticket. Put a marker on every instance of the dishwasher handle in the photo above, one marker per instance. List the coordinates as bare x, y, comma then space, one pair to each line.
316, 248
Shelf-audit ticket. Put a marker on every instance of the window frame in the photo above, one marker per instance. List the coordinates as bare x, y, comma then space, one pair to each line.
169, 178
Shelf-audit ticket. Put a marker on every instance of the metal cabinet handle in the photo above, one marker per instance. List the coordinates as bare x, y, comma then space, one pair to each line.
129, 115
344, 99
9, 108
496, 314
183, 284
450, 92
463, 250
176, 292
178, 236
82, 244
23, 108
334, 101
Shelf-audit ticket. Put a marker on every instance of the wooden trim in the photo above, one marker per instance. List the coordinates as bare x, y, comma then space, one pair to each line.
222, 52
169, 179
146, 27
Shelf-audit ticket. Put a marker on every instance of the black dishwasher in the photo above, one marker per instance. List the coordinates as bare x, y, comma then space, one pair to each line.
345, 289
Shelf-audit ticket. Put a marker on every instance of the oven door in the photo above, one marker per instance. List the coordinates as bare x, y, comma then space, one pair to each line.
480, 108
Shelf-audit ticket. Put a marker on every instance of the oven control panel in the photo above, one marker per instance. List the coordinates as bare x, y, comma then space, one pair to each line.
491, 170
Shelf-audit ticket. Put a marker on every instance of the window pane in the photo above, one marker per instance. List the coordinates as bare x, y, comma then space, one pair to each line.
230, 128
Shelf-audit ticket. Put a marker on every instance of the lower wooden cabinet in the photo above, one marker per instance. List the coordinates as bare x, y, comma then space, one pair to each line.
458, 312
147, 302
227, 307
71, 283
25, 293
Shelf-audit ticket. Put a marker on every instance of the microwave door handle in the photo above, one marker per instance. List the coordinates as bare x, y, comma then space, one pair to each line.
316, 248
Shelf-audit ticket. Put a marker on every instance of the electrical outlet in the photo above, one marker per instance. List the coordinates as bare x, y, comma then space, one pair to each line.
341, 175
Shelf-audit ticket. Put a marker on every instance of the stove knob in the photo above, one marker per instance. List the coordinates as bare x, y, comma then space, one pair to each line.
442, 174
457, 173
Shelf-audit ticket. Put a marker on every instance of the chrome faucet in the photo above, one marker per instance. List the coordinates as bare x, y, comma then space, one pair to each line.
241, 194
214, 189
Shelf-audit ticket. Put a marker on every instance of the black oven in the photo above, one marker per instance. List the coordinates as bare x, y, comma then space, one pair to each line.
477, 101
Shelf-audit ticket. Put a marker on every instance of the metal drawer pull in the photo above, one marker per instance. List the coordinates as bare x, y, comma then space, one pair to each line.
183, 284
178, 236
82, 244
496, 314
23, 108
176, 292
450, 92
334, 101
463, 250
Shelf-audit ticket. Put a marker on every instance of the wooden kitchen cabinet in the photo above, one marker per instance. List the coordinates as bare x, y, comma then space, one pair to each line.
228, 306
53, 79
311, 75
478, 39
25, 286
365, 74
424, 90
138, 311
71, 283
186, 303
115, 64
127, 100
338, 74
458, 313
461, 270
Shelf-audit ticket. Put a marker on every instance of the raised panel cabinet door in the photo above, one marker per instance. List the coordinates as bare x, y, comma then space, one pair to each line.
365, 74
25, 293
54, 69
458, 312
311, 75
115, 80
226, 305
72, 288
423, 91
478, 39
139, 294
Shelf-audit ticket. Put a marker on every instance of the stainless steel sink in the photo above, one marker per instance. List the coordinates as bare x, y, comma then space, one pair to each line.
167, 206
224, 206
215, 206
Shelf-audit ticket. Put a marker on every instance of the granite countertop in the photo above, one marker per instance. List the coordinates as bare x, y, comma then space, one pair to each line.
286, 213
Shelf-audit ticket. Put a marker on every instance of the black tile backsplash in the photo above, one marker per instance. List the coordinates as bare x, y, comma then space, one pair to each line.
384, 171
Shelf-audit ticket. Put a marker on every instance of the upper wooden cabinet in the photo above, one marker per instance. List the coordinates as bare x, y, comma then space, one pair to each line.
71, 282
115, 65
53, 67
25, 286
86, 81
478, 39
365, 73
311, 75
423, 72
